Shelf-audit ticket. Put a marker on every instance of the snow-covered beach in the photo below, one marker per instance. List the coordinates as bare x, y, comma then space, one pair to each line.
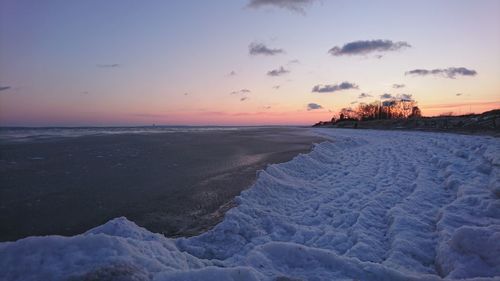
366, 205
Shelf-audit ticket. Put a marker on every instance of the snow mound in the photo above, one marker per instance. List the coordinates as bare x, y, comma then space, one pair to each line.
366, 205
117, 248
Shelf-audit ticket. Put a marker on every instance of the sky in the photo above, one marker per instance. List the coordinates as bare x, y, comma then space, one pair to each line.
241, 62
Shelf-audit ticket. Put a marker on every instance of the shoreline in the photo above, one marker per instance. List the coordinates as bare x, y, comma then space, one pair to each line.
486, 123
490, 133
177, 184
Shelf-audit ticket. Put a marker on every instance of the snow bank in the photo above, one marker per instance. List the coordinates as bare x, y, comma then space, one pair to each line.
367, 205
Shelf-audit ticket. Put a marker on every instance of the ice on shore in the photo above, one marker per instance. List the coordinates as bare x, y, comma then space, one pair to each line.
367, 205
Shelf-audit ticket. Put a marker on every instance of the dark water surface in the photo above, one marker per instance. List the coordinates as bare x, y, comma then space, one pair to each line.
176, 183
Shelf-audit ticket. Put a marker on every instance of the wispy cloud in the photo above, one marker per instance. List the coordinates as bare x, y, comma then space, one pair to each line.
242, 91
367, 46
4, 88
278, 72
313, 106
232, 73
108, 65
458, 94
243, 98
292, 5
293, 61
354, 102
450, 72
398, 86
364, 95
334, 88
260, 49
276, 87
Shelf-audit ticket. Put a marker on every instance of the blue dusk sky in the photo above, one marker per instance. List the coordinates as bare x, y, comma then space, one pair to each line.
241, 62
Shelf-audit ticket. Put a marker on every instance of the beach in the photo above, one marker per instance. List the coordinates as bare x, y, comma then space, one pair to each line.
364, 205
177, 183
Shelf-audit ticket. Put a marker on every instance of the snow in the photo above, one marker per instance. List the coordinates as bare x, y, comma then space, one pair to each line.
365, 205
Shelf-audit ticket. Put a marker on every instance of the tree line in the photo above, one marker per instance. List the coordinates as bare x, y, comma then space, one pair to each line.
395, 108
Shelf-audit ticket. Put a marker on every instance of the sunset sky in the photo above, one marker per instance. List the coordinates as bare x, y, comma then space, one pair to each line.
241, 62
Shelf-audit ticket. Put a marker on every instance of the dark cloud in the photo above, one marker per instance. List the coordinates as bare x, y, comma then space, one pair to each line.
267, 107
276, 87
232, 73
186, 94
3, 88
458, 94
278, 72
386, 96
313, 106
398, 86
243, 98
108, 65
292, 5
334, 88
354, 102
404, 97
261, 49
401, 97
450, 72
242, 91
368, 46
364, 95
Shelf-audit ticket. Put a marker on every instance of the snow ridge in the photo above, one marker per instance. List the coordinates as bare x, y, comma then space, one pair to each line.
367, 205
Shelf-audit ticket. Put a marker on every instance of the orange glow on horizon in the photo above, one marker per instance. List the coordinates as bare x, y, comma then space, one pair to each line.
214, 118
459, 108
198, 118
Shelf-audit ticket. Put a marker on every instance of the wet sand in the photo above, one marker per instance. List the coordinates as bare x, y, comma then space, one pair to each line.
171, 183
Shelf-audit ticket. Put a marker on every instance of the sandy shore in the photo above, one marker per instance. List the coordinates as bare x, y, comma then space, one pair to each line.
174, 183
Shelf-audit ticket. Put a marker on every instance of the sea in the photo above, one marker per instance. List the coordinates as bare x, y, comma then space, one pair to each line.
26, 134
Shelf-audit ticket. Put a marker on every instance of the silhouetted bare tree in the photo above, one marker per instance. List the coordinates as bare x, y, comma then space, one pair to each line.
402, 107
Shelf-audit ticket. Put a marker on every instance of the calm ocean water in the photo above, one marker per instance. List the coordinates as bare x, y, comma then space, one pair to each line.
23, 134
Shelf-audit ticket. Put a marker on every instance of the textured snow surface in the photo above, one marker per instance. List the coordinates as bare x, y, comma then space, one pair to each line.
367, 205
